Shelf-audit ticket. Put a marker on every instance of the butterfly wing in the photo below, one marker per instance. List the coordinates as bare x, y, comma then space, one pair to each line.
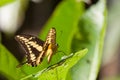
32, 45
50, 44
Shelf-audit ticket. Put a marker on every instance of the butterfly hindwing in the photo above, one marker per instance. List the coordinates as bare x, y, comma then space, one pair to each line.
32, 45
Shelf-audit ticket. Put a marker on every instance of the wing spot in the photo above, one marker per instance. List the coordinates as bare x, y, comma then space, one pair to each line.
32, 57
39, 48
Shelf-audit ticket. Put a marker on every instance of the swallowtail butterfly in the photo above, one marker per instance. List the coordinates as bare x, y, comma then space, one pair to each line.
36, 49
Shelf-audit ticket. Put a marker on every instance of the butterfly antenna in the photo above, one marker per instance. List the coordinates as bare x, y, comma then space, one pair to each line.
60, 34
58, 45
62, 52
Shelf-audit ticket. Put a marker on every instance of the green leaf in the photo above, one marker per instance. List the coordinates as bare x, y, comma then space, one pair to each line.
60, 72
91, 29
54, 72
4, 2
8, 65
64, 19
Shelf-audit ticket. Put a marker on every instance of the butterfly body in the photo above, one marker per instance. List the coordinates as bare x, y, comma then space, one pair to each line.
36, 49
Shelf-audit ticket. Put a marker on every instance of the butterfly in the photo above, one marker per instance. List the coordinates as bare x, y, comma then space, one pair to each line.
36, 49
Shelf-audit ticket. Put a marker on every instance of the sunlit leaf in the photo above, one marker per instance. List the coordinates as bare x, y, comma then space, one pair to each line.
54, 72
65, 19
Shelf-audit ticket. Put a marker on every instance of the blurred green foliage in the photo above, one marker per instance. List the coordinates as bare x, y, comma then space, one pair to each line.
4, 2
8, 65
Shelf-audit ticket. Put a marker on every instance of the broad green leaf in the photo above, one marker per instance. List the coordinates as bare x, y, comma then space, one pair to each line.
64, 19
8, 65
90, 34
4, 2
59, 71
